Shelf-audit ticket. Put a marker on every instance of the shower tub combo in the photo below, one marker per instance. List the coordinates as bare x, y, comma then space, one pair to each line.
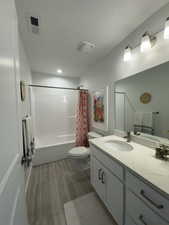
54, 127
52, 148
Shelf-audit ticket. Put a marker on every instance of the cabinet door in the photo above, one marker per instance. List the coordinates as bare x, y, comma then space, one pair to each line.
96, 177
129, 221
114, 197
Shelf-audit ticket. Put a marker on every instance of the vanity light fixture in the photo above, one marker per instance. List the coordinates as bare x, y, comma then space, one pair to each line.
127, 54
59, 71
166, 29
146, 42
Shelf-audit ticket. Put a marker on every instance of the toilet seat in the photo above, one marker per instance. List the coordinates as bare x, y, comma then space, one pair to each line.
79, 152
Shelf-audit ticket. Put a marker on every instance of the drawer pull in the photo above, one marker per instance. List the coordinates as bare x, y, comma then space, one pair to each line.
99, 174
141, 218
150, 200
103, 181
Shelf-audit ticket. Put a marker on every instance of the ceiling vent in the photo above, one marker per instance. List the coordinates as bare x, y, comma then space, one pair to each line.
85, 46
33, 24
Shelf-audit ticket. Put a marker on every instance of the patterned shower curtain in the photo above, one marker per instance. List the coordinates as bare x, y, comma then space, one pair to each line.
82, 119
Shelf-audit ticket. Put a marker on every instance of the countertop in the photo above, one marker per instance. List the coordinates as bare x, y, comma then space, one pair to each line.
140, 160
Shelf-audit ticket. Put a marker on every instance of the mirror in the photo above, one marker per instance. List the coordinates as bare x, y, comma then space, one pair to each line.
142, 102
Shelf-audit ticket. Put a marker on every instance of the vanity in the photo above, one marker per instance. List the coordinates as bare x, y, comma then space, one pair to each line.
131, 182
128, 177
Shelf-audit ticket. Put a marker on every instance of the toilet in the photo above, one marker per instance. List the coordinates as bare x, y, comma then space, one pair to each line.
80, 156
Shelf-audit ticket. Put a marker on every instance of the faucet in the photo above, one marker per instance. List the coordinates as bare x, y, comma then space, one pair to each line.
128, 136
136, 132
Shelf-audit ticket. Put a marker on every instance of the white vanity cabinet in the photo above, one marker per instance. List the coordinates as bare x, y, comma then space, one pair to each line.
109, 188
130, 199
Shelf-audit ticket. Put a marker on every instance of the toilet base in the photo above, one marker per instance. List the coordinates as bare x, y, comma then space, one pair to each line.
80, 164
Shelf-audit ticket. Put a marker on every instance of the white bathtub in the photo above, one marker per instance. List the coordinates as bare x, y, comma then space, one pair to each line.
52, 148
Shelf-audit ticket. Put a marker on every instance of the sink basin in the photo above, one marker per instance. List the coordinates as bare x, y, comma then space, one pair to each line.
119, 145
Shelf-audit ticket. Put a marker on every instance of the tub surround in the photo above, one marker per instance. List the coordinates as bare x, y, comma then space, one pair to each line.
141, 160
52, 148
52, 140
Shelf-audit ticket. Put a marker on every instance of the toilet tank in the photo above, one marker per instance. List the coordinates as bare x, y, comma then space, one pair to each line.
92, 135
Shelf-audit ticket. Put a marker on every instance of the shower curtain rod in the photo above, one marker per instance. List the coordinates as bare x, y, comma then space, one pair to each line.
43, 86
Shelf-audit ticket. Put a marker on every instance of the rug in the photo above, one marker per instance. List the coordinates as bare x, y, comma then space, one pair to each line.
87, 210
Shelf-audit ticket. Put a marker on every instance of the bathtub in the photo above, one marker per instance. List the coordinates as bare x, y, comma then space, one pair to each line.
52, 148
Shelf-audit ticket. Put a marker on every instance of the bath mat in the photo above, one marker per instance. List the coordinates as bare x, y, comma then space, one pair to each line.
87, 210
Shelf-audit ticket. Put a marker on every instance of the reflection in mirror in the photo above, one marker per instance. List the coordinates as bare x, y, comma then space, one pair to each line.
142, 102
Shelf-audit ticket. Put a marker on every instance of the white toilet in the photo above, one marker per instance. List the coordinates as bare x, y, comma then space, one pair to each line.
80, 156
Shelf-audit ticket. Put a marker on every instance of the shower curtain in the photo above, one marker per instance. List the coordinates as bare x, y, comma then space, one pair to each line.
82, 119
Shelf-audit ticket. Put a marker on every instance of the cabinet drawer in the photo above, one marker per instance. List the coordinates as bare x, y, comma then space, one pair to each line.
151, 197
113, 166
141, 213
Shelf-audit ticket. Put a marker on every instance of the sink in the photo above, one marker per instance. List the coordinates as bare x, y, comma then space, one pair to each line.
119, 145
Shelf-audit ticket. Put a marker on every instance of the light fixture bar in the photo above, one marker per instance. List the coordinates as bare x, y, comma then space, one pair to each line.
147, 42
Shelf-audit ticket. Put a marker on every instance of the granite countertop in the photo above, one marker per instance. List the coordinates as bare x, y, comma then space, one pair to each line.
140, 160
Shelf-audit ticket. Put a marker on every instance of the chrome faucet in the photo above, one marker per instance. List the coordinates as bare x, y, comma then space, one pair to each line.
128, 136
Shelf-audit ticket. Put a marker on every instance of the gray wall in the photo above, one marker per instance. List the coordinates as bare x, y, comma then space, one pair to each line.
112, 68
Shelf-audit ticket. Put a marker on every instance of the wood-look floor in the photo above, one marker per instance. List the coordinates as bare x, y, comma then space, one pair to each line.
52, 185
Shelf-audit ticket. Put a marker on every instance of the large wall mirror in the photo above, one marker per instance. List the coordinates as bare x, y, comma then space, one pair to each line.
142, 102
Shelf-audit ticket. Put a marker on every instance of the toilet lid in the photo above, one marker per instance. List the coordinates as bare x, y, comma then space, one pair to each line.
79, 151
